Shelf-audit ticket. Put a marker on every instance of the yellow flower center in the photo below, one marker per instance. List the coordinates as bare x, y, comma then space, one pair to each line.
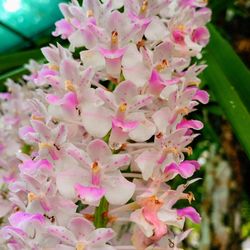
54, 67
80, 246
123, 107
193, 84
69, 86
190, 197
114, 39
95, 167
171, 150
144, 7
44, 145
183, 111
37, 118
188, 150
181, 27
162, 66
90, 13
32, 197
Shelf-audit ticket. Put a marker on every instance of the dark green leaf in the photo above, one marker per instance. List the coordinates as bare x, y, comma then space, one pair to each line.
227, 78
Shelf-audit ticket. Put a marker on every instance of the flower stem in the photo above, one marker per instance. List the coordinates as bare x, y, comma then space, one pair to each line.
101, 214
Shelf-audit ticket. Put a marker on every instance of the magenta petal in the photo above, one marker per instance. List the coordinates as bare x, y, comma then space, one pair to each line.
178, 36
126, 126
9, 231
70, 101
194, 124
201, 36
30, 166
5, 96
185, 169
53, 99
20, 217
89, 194
112, 54
45, 164
63, 28
156, 85
190, 213
202, 96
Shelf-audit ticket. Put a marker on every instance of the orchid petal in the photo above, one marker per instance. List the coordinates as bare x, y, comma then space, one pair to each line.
93, 58
63, 234
61, 134
107, 97
146, 162
133, 67
140, 220
202, 96
118, 161
100, 236
96, 120
186, 169
144, 131
115, 185
79, 155
42, 129
193, 124
125, 92
67, 179
99, 151
80, 227
170, 217
140, 101
190, 213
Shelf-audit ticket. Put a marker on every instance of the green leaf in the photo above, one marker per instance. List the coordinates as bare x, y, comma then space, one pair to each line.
230, 64
14, 75
14, 60
228, 78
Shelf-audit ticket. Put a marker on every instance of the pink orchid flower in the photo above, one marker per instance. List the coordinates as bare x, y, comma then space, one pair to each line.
98, 176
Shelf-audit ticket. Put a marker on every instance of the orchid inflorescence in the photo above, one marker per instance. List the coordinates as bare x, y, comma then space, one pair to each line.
91, 139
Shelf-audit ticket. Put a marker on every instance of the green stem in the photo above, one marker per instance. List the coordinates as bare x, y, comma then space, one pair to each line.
100, 217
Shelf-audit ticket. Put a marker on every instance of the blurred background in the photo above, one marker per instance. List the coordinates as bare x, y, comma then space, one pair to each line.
223, 149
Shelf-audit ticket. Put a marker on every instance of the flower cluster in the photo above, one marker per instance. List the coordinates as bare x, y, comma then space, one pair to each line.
103, 128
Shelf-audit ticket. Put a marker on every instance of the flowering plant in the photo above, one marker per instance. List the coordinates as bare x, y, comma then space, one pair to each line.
103, 128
